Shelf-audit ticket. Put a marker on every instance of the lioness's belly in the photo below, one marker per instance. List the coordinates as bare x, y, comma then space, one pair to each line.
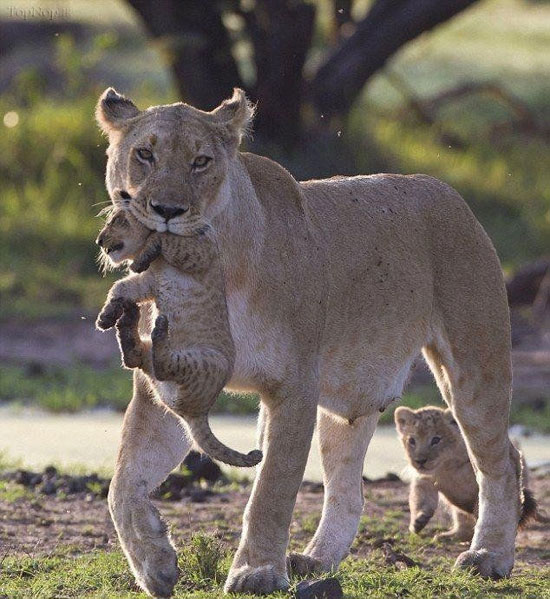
380, 290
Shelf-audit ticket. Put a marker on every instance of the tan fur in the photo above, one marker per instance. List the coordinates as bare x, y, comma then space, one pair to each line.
436, 450
333, 287
191, 343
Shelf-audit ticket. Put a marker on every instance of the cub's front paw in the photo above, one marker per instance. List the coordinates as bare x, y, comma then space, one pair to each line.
488, 564
419, 523
260, 580
300, 564
110, 313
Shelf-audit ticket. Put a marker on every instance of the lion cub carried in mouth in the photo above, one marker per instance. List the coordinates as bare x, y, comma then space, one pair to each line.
435, 448
191, 342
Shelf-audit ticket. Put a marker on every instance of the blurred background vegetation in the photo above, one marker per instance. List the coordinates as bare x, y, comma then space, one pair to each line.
467, 101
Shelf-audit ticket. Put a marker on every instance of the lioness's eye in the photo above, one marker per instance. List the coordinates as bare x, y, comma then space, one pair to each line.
144, 154
412, 442
200, 162
436, 440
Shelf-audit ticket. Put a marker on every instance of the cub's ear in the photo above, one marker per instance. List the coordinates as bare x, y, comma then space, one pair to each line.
402, 417
449, 417
113, 110
235, 117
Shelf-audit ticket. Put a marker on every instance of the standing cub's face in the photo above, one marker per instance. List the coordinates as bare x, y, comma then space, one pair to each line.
122, 237
429, 435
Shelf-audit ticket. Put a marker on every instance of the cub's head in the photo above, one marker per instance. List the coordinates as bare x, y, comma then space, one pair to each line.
429, 435
167, 164
121, 238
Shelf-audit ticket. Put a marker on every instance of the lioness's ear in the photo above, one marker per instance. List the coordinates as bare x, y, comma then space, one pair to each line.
113, 110
235, 116
402, 417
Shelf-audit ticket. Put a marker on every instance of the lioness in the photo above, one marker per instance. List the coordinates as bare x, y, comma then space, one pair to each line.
436, 450
333, 287
186, 284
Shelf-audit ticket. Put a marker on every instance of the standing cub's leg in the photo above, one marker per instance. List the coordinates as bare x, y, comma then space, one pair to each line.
463, 526
423, 500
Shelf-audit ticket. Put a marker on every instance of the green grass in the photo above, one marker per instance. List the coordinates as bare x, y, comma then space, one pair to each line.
79, 387
102, 575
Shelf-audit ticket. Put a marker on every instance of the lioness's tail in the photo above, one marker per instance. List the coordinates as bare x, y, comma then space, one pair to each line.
205, 439
529, 510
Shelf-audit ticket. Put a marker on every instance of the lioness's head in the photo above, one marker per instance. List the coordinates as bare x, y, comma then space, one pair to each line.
167, 163
122, 237
429, 435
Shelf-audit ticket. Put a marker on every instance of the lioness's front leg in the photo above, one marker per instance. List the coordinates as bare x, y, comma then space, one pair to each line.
154, 441
260, 563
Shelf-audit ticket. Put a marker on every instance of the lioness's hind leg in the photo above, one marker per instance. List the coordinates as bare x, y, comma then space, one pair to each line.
343, 446
153, 443
476, 372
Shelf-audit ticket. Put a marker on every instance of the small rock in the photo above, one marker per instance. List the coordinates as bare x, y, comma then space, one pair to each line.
328, 588
50, 471
48, 487
23, 477
202, 467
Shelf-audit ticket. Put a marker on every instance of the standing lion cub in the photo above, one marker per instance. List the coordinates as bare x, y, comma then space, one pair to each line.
435, 448
191, 343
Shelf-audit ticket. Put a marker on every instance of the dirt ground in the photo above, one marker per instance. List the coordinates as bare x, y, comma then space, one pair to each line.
37, 525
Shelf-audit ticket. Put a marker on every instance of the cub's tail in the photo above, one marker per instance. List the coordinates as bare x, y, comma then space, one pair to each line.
529, 510
206, 440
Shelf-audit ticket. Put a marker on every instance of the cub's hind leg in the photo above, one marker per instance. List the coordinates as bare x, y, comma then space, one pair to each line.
202, 371
462, 528
423, 500
343, 446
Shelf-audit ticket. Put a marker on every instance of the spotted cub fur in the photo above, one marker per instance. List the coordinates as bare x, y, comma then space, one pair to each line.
191, 342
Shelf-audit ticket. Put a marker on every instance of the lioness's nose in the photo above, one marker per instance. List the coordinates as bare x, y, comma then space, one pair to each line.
100, 241
167, 212
421, 462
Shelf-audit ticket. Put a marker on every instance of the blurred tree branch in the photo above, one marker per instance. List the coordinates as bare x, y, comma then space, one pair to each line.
281, 34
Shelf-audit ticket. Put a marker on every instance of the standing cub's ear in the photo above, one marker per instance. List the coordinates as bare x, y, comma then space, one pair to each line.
235, 117
402, 417
449, 417
113, 110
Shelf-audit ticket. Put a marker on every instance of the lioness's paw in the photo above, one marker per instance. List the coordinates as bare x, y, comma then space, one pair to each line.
486, 563
299, 564
158, 574
261, 580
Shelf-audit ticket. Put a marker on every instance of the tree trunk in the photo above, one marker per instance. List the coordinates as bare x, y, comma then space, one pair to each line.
198, 47
281, 32
387, 27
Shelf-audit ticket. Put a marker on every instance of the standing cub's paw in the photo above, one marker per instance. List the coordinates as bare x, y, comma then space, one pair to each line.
419, 523
110, 313
300, 564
